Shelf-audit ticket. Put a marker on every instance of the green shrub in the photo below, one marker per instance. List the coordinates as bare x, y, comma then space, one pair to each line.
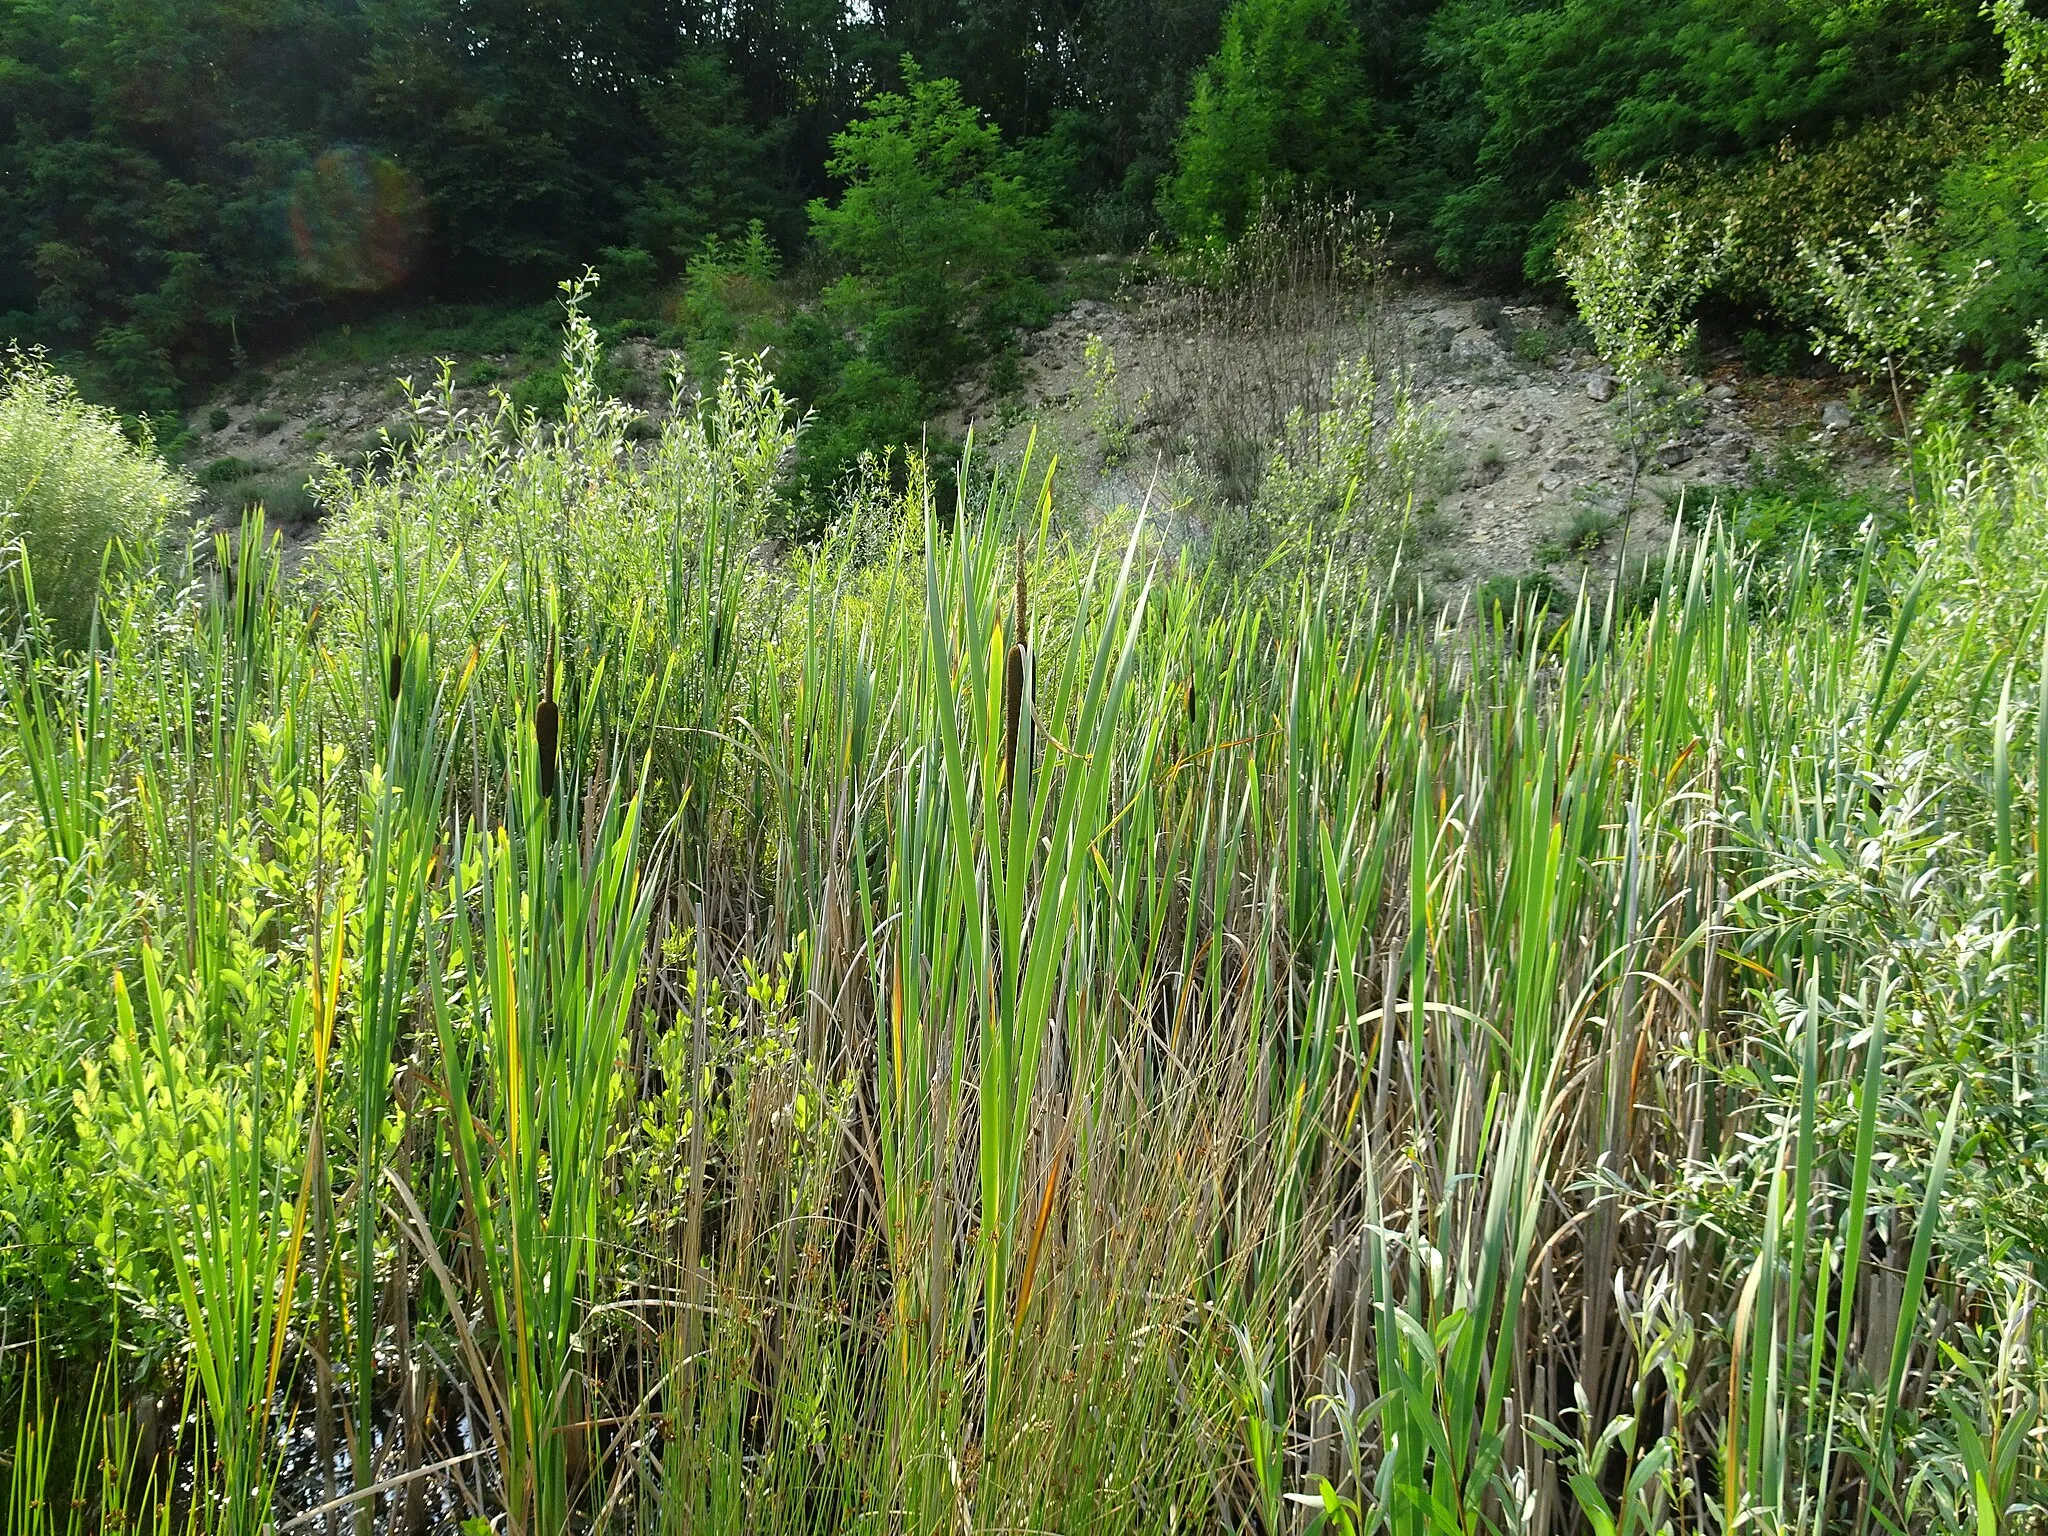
217, 419
263, 423
1533, 101
1345, 488
730, 306
1772, 351
1517, 599
226, 470
1832, 193
944, 245
481, 375
616, 381
286, 499
545, 392
943, 239
1536, 344
1798, 496
1581, 535
1994, 208
71, 483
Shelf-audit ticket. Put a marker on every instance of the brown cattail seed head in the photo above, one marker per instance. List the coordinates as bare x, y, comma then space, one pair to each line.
1013, 709
547, 727
396, 679
1023, 635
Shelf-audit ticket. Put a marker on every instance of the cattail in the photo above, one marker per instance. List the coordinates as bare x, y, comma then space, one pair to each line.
1023, 636
547, 729
1013, 674
1013, 709
396, 679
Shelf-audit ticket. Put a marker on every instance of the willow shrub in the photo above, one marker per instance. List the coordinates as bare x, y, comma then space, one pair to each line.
71, 486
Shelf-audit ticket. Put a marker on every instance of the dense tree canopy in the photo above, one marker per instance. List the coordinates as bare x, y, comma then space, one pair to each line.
1530, 102
1281, 111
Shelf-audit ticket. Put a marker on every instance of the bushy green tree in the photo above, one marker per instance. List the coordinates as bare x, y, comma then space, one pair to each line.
71, 483
943, 240
944, 245
1280, 111
1636, 271
147, 156
542, 134
1889, 312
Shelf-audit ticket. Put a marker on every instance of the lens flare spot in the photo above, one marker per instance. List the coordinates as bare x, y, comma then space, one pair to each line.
357, 220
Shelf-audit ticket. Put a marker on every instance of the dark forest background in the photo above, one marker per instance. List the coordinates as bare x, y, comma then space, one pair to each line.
186, 182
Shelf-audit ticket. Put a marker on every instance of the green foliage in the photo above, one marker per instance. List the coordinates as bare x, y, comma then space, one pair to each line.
1962, 157
1521, 600
1990, 226
181, 188
944, 242
544, 391
287, 500
1346, 489
1536, 344
1581, 535
1797, 498
1528, 103
1112, 419
217, 419
1886, 312
1772, 351
730, 305
71, 485
1695, 931
1281, 112
146, 178
944, 247
1636, 271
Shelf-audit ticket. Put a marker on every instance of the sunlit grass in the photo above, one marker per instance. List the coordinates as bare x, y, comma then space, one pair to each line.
968, 1028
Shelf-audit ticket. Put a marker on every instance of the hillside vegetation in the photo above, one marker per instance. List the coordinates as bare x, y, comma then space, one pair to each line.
546, 1020
694, 954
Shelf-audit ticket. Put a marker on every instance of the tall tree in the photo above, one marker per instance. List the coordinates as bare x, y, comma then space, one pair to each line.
1280, 111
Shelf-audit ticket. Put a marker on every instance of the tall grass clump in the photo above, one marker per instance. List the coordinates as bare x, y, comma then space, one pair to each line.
559, 1016
1251, 333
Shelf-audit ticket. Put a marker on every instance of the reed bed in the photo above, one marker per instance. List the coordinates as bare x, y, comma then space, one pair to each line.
548, 1018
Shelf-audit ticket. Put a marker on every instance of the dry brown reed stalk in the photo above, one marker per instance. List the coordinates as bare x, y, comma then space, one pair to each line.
1251, 336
